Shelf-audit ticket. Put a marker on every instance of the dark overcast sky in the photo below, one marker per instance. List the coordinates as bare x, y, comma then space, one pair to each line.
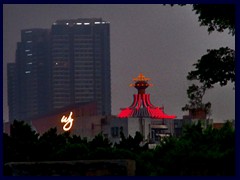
162, 42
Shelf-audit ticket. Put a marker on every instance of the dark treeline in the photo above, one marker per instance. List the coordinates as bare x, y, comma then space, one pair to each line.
196, 152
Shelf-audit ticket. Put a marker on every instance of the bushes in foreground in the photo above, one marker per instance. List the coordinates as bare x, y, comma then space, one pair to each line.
196, 152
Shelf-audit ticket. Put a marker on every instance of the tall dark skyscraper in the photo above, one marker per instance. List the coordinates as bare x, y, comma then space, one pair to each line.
12, 91
70, 63
81, 63
29, 77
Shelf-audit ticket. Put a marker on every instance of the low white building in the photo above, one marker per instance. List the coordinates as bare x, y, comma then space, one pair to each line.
151, 129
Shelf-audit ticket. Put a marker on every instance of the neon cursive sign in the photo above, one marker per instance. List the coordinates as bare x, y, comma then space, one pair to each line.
68, 122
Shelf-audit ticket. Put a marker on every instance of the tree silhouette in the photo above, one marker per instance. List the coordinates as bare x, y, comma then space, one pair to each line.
195, 95
131, 143
49, 143
7, 148
23, 141
100, 141
218, 65
196, 152
217, 17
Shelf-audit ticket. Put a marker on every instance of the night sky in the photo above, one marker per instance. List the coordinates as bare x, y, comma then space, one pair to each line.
162, 42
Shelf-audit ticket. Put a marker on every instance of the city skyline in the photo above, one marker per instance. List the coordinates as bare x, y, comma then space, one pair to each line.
66, 64
162, 42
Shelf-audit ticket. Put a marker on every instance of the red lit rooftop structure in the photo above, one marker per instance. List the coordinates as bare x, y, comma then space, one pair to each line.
142, 106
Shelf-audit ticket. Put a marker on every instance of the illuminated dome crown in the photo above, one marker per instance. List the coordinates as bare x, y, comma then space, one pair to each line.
141, 83
142, 106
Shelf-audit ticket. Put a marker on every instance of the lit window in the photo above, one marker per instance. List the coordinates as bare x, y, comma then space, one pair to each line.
97, 22
86, 23
79, 23
27, 72
29, 63
67, 23
27, 50
29, 54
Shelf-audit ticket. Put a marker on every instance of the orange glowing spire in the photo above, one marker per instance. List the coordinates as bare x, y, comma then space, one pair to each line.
141, 83
141, 77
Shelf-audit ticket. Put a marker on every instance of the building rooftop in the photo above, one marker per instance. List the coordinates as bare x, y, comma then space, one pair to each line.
80, 21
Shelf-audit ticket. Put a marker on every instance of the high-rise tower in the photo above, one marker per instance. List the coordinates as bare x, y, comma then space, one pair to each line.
29, 77
81, 63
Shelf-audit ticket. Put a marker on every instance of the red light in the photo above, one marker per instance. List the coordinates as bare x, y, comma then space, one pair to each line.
140, 102
142, 106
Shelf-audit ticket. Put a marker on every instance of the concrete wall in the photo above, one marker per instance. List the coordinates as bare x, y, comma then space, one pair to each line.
133, 126
88, 126
121, 124
121, 167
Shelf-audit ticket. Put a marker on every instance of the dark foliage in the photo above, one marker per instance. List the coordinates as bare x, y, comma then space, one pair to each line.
196, 152
218, 65
22, 143
195, 95
217, 17
131, 143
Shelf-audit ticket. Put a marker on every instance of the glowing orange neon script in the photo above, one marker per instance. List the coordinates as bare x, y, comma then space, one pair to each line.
68, 122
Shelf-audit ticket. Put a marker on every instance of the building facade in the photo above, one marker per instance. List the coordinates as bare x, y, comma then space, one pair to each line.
12, 91
63, 119
81, 63
29, 77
